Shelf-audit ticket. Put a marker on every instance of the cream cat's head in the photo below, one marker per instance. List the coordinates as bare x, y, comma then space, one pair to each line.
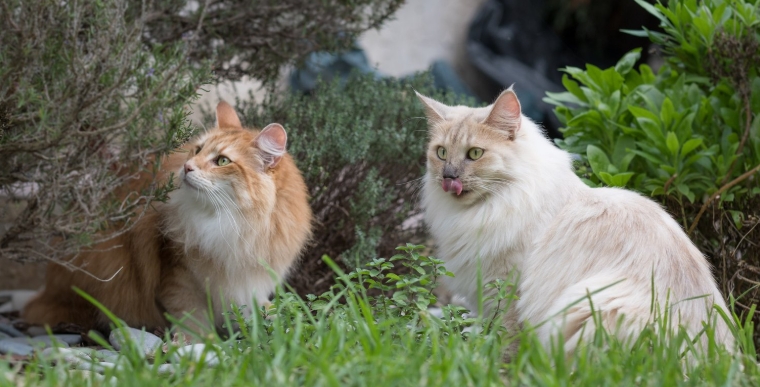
472, 151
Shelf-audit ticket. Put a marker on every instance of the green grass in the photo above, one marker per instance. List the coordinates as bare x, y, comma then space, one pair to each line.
368, 340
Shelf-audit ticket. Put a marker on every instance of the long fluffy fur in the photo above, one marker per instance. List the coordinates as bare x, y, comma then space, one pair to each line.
234, 231
527, 211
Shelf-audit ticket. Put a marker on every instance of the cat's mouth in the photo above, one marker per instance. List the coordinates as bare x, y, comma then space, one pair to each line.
189, 184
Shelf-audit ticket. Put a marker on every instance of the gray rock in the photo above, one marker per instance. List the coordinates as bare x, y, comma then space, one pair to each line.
100, 367
13, 347
37, 342
4, 336
81, 374
66, 355
10, 330
70, 339
36, 331
148, 343
91, 352
196, 353
92, 367
107, 355
167, 369
44, 341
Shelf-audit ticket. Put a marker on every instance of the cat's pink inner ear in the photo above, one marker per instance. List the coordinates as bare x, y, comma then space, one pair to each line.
505, 112
226, 117
434, 110
271, 143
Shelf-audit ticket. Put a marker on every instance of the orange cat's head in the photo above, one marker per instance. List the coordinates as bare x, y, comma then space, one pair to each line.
230, 166
472, 151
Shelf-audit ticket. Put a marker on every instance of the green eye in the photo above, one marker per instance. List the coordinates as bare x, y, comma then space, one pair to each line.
222, 161
442, 153
475, 153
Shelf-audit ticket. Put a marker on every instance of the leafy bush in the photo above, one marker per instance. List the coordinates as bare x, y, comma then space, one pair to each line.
256, 38
360, 145
83, 106
688, 135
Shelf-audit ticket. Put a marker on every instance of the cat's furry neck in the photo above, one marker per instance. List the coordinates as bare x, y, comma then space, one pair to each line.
223, 233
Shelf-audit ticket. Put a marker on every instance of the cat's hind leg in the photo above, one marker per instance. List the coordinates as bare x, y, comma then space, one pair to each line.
51, 309
605, 302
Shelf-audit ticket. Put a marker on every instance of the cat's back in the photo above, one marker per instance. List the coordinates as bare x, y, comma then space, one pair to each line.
613, 235
615, 222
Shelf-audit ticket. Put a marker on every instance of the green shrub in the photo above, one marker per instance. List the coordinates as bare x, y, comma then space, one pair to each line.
688, 135
83, 105
360, 145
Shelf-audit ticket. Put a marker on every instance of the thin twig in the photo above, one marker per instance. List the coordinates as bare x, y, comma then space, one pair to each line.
719, 192
747, 125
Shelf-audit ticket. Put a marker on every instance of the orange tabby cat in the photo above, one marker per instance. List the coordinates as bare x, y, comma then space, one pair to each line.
235, 226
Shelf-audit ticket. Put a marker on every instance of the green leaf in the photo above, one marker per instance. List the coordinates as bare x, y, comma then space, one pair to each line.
648, 156
647, 76
625, 64
606, 178
667, 112
623, 145
621, 179
626, 161
690, 145
672, 143
652, 9
573, 88
639, 112
559, 98
737, 217
597, 159
684, 189
640, 33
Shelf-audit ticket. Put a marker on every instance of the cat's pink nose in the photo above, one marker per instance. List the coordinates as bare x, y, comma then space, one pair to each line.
188, 168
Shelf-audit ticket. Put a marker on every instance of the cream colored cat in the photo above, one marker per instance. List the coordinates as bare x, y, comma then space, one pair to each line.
498, 193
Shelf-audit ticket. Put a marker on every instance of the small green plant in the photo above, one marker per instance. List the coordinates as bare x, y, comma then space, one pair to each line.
688, 134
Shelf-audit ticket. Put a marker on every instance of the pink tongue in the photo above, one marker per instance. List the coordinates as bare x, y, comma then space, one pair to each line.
452, 185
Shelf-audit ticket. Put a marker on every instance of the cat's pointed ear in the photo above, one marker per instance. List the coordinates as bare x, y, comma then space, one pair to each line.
271, 143
434, 110
226, 117
505, 113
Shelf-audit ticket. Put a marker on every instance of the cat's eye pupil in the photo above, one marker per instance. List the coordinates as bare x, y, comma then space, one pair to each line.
475, 153
442, 153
